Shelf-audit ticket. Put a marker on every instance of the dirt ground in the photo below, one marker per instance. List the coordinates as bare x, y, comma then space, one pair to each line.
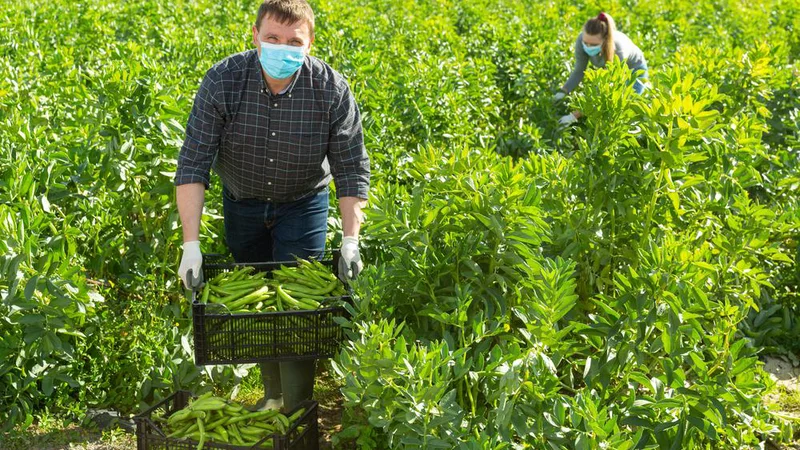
785, 371
330, 408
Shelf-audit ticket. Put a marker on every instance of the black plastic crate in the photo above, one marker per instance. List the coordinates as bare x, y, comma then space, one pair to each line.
303, 434
224, 338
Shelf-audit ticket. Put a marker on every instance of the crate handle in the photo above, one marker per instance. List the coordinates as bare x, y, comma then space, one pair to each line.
221, 308
193, 281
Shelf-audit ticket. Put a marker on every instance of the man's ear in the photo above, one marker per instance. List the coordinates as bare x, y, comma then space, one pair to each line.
255, 37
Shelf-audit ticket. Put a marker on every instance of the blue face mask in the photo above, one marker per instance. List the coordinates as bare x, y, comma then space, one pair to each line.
591, 50
281, 61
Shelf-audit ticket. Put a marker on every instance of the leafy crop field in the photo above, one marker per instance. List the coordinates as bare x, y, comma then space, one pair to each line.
611, 285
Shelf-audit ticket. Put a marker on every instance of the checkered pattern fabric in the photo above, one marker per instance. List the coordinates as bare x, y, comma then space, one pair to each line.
277, 148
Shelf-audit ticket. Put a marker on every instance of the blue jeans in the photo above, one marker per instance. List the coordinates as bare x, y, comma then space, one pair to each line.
258, 231
641, 78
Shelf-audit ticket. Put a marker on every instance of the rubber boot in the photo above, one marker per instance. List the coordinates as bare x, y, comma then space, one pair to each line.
297, 381
271, 377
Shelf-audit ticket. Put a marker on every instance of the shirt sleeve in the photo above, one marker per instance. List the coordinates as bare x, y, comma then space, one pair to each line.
203, 134
347, 154
581, 62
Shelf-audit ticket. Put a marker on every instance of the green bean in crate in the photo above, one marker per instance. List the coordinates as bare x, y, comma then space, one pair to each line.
275, 311
217, 419
179, 422
304, 286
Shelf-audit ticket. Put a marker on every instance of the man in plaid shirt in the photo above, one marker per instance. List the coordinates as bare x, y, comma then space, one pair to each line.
277, 125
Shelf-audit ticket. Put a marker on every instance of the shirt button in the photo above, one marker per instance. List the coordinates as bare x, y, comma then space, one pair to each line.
275, 105
269, 199
271, 160
273, 133
290, 95
269, 183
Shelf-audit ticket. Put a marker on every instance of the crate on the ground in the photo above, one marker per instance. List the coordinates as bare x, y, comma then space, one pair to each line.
224, 338
302, 434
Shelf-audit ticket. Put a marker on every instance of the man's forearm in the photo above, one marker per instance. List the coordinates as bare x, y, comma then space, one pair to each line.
350, 208
190, 198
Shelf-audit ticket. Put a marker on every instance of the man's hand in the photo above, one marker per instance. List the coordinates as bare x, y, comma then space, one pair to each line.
192, 260
559, 96
350, 263
569, 119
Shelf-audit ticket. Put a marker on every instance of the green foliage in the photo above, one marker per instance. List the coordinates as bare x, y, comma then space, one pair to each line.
605, 286
658, 254
455, 236
91, 117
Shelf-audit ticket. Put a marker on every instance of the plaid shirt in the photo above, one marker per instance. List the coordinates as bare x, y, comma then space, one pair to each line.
277, 148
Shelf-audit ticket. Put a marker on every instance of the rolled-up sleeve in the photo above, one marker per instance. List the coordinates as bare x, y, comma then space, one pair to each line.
203, 134
347, 154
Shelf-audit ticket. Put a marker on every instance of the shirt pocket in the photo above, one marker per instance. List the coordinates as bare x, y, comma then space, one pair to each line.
246, 141
308, 141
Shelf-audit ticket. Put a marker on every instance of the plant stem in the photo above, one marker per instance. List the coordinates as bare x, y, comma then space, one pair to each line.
652, 206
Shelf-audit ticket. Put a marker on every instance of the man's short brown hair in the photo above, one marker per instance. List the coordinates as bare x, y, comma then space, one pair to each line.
286, 12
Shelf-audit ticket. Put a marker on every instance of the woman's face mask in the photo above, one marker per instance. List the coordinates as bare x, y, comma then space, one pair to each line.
591, 50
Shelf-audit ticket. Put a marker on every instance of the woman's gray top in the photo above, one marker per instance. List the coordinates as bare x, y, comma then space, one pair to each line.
625, 49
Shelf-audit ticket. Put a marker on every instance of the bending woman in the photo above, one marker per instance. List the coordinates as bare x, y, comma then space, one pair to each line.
599, 42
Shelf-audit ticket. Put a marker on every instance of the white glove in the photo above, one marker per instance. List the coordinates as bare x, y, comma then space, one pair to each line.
558, 96
192, 260
350, 263
569, 119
